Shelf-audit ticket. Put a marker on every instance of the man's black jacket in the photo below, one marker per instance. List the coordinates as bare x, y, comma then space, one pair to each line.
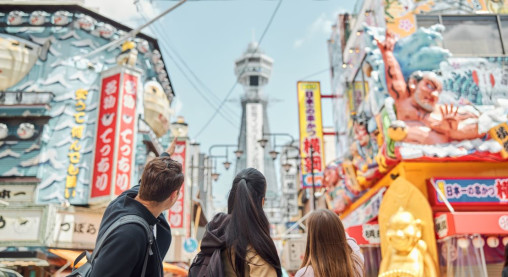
123, 253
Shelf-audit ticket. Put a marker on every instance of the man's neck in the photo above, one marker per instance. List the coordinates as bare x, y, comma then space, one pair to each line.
154, 209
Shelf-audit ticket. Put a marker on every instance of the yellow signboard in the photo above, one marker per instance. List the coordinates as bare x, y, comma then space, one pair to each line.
500, 134
311, 133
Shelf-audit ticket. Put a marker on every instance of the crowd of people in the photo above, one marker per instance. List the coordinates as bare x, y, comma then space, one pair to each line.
235, 244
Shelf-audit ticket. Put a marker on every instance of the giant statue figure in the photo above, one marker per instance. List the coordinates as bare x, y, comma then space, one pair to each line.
416, 104
407, 253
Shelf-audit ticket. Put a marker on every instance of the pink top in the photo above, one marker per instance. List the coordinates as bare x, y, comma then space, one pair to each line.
309, 272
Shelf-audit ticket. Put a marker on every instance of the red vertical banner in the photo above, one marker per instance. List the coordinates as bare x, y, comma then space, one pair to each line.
103, 166
127, 120
176, 213
115, 136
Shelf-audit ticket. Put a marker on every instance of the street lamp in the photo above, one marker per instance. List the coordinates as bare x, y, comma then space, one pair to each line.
273, 154
238, 153
287, 166
226, 164
215, 176
263, 142
179, 128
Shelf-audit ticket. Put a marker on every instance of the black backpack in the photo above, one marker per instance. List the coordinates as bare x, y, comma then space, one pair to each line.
207, 263
86, 269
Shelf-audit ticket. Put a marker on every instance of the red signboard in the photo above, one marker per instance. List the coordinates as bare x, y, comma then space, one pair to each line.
105, 139
115, 137
126, 139
176, 213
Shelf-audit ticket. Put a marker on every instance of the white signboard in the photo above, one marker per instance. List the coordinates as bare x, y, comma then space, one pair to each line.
254, 118
21, 225
17, 193
76, 229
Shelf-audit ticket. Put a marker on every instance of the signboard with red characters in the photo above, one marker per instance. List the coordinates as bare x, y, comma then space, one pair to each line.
127, 130
311, 134
176, 214
470, 193
115, 136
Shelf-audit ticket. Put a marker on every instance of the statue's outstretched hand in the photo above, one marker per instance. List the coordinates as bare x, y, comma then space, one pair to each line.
388, 44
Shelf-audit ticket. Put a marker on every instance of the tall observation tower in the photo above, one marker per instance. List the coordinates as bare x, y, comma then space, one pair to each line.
253, 71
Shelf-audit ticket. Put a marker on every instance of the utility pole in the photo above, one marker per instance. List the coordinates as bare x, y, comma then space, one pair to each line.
312, 174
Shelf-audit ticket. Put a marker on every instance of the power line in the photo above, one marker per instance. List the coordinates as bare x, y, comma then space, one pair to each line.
216, 98
189, 79
243, 70
315, 73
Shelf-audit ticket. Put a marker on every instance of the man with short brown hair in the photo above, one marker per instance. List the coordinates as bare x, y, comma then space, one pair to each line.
124, 250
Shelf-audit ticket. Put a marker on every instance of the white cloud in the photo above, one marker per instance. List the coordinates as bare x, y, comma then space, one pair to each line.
321, 25
126, 13
177, 106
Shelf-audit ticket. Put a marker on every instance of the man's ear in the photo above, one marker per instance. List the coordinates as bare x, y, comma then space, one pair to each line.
174, 194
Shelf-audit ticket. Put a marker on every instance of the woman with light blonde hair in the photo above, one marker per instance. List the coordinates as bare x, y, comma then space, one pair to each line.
330, 251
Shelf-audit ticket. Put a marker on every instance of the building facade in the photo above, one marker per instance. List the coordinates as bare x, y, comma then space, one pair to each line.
75, 129
421, 99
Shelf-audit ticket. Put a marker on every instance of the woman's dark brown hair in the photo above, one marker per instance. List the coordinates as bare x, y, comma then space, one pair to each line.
327, 250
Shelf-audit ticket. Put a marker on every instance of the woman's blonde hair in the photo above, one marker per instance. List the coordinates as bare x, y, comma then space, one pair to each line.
327, 250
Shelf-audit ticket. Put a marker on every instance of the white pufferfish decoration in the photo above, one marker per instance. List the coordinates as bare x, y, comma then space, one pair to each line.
26, 130
38, 18
61, 18
86, 22
15, 17
4, 131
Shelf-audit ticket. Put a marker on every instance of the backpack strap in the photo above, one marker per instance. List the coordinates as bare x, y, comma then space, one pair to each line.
126, 219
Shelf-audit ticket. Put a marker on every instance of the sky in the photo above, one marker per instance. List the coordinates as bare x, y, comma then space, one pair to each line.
208, 36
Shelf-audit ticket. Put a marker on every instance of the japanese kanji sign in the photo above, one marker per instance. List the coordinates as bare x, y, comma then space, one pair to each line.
176, 214
311, 133
471, 191
115, 136
500, 134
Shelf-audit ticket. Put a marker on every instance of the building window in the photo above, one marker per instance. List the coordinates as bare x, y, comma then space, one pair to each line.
504, 31
478, 35
254, 81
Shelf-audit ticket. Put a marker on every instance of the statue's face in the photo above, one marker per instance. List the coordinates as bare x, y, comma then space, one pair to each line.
331, 177
403, 233
361, 134
426, 92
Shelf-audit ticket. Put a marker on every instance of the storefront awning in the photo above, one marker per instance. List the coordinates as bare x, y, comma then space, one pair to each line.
71, 255
365, 234
449, 224
22, 258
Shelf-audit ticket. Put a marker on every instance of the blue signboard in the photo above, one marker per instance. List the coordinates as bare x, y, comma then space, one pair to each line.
467, 191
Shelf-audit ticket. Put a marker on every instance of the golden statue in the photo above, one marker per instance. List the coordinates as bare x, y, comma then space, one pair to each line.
407, 254
406, 225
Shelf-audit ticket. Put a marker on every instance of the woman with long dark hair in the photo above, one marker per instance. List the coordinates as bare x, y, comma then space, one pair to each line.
329, 251
238, 244
250, 251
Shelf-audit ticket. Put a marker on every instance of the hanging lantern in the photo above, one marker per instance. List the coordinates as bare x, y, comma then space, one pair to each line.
478, 242
493, 241
463, 242
505, 240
